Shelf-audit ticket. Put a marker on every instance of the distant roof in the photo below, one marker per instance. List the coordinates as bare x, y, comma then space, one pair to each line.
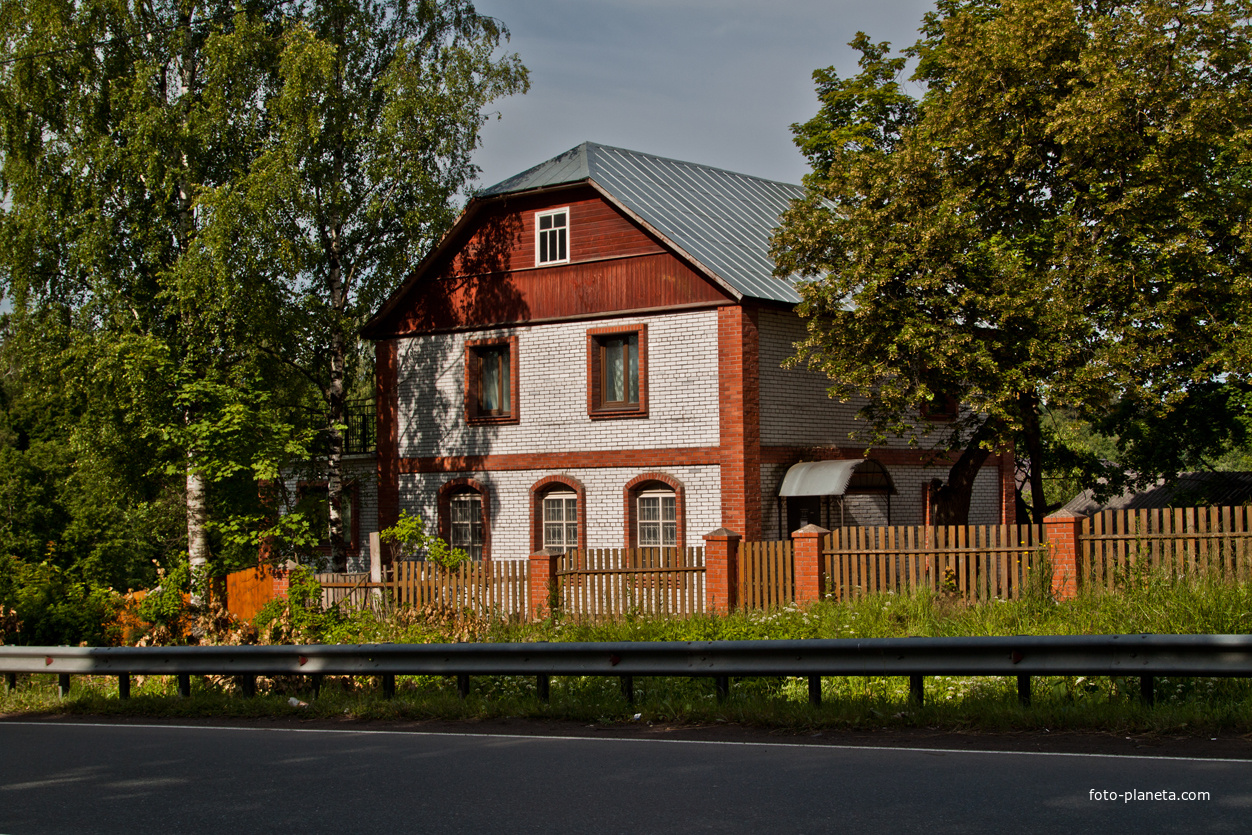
1215, 489
720, 219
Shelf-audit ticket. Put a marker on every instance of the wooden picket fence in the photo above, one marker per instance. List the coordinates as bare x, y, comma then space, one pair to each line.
597, 583
1192, 541
348, 589
974, 562
766, 572
499, 587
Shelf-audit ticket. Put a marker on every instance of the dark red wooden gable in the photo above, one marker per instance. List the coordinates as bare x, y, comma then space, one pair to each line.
486, 274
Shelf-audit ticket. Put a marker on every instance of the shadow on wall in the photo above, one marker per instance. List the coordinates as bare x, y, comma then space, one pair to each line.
473, 292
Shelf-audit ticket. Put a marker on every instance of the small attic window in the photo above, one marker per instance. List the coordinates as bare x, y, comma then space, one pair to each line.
551, 237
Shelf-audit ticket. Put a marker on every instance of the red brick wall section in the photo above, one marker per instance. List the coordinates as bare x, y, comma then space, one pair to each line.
540, 489
542, 577
1063, 531
721, 570
807, 550
738, 348
387, 408
1008, 488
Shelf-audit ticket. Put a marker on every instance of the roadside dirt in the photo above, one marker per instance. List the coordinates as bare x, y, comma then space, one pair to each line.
1229, 747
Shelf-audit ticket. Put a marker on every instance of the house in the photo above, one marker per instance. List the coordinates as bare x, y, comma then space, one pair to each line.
1195, 489
593, 356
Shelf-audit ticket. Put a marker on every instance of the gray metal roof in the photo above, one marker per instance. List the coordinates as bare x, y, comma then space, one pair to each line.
1188, 490
721, 219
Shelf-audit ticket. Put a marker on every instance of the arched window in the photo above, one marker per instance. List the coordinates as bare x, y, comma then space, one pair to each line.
655, 512
557, 513
463, 517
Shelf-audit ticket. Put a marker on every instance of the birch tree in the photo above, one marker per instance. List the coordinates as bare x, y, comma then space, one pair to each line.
375, 118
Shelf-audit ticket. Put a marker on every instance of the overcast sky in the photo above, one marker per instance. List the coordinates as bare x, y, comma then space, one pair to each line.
717, 82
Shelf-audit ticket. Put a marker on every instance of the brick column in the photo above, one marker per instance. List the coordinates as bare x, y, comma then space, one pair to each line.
1063, 530
721, 571
386, 410
1008, 487
809, 574
279, 578
542, 576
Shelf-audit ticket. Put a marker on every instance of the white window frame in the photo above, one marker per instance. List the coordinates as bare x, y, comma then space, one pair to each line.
661, 523
556, 234
565, 524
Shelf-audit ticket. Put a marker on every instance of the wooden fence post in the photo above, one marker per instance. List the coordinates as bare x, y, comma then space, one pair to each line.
721, 571
1064, 530
809, 569
542, 577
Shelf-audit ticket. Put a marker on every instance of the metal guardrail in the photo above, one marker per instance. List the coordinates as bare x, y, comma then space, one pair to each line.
1142, 656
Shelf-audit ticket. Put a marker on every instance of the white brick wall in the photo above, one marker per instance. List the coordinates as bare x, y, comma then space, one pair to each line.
509, 509
682, 391
796, 409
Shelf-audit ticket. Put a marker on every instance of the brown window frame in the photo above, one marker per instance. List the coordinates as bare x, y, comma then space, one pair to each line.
448, 492
474, 351
654, 482
597, 338
942, 408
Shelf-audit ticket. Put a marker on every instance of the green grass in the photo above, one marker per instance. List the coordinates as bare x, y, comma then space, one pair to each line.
1154, 604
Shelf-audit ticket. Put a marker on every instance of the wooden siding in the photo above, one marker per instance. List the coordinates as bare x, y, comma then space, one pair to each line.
487, 276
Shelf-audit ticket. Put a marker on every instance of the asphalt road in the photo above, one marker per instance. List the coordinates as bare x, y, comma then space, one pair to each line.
63, 777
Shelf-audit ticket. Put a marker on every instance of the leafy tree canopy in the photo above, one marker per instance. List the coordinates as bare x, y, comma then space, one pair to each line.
1061, 219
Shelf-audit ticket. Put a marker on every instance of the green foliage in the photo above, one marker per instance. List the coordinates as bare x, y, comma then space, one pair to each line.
1061, 220
410, 536
55, 606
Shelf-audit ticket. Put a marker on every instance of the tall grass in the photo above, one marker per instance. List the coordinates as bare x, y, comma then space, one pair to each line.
1150, 603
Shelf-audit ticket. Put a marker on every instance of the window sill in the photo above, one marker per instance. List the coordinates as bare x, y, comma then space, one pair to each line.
492, 420
615, 414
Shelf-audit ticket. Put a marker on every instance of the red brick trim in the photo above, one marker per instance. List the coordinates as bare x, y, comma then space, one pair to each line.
471, 383
593, 372
444, 502
386, 398
738, 365
631, 512
662, 457
1008, 487
539, 490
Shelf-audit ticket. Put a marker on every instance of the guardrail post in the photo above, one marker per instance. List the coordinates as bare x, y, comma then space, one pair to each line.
721, 571
123, 686
1147, 689
809, 574
184, 685
543, 687
1063, 530
63, 685
10, 682
542, 580
917, 690
1023, 690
